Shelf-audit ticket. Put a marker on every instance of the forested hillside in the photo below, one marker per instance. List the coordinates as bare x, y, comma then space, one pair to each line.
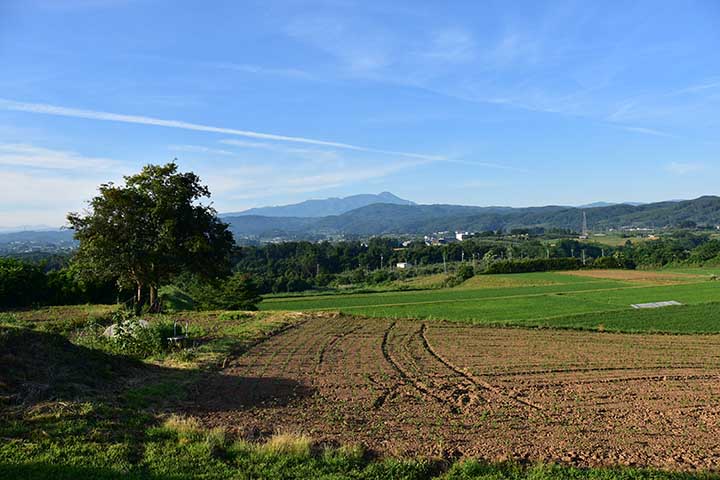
381, 219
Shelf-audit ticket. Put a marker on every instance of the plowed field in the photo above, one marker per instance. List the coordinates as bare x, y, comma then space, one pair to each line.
441, 389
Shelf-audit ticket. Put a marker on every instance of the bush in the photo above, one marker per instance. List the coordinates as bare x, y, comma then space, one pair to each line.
239, 292
465, 272
536, 265
21, 284
131, 338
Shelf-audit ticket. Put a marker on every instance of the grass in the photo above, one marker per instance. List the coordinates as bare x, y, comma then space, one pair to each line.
68, 411
686, 319
336, 302
92, 441
538, 305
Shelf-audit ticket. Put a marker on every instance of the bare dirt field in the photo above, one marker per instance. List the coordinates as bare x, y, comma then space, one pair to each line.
660, 278
446, 390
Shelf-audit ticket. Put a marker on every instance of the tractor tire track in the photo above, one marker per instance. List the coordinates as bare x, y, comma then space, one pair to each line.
474, 380
332, 341
406, 377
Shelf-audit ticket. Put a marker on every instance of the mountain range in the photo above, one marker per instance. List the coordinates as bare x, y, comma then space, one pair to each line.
387, 214
383, 219
323, 208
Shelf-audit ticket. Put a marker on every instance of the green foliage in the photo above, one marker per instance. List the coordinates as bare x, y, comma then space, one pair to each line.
474, 470
465, 272
21, 284
150, 229
174, 299
238, 292
24, 284
535, 265
132, 337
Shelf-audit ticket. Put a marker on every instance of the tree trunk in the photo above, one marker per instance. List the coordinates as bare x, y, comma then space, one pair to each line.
137, 307
153, 299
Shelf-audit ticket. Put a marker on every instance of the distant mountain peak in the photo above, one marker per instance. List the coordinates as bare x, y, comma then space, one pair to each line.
609, 204
323, 207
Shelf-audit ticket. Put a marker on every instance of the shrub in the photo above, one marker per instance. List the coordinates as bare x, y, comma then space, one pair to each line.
465, 272
536, 265
21, 284
131, 337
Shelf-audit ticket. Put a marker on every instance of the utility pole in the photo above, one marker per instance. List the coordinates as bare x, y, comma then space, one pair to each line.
572, 252
445, 262
381, 261
583, 256
603, 251
317, 269
547, 250
462, 256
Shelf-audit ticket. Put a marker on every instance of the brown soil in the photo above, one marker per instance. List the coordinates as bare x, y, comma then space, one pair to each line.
637, 276
446, 390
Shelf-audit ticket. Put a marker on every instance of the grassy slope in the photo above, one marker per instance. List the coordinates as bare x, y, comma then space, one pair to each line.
335, 302
527, 305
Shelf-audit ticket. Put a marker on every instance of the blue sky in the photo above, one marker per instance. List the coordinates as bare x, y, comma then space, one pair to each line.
485, 103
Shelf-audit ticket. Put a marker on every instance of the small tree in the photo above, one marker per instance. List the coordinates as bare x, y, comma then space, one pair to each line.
150, 229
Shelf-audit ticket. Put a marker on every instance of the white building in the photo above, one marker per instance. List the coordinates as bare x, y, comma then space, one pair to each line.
403, 265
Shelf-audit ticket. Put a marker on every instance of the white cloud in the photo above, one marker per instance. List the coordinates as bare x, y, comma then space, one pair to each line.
42, 199
23, 155
647, 131
259, 69
679, 168
199, 149
142, 120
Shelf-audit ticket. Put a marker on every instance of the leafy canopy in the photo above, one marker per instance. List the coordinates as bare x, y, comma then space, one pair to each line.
152, 228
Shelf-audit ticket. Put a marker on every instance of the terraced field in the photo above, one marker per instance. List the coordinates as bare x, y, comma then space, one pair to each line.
452, 390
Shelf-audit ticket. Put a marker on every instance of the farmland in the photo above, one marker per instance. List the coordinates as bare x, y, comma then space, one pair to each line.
539, 375
537, 299
447, 390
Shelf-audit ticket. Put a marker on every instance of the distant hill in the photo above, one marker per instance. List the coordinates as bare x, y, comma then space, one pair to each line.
379, 219
608, 204
413, 219
323, 208
37, 236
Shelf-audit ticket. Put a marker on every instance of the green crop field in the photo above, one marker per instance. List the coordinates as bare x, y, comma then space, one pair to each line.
542, 299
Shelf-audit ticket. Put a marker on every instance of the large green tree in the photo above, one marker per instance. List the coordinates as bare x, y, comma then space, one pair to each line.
150, 229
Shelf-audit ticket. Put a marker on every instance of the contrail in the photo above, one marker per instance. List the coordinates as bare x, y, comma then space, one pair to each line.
142, 120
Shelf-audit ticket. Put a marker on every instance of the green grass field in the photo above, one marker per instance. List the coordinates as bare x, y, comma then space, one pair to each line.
540, 299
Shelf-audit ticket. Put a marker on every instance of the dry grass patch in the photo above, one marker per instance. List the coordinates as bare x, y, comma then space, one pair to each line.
639, 276
288, 442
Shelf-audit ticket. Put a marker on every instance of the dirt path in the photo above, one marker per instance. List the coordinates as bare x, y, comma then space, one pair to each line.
441, 389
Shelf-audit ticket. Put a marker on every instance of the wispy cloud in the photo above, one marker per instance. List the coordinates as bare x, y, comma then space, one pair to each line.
259, 69
680, 168
280, 148
700, 87
498, 166
199, 149
47, 109
647, 131
453, 45
24, 155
